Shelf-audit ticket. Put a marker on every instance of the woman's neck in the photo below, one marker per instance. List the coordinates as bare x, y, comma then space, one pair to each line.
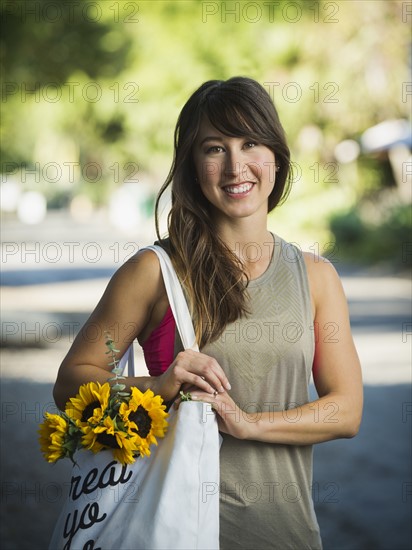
251, 243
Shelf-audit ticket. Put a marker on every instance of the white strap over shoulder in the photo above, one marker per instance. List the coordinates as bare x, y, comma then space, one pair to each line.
177, 299
178, 305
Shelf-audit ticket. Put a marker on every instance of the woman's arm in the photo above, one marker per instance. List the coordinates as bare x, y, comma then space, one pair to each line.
336, 372
125, 309
133, 304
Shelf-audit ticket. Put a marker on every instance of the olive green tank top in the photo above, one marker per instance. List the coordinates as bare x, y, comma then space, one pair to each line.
265, 489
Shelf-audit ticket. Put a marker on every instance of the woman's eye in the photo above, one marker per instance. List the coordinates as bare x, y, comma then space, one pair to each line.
214, 149
250, 144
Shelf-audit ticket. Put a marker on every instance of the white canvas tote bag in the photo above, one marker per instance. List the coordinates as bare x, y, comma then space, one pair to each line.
167, 501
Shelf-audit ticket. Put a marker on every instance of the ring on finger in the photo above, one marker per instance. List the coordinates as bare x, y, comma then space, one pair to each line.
215, 393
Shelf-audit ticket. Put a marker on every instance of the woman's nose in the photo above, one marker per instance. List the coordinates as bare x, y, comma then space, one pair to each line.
232, 166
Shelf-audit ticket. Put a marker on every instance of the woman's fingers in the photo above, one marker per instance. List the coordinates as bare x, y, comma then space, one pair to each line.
231, 419
194, 369
189, 379
200, 370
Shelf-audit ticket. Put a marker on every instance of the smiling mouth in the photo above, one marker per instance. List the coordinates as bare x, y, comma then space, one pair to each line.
238, 189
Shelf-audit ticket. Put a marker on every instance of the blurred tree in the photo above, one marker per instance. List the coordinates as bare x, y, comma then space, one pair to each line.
43, 43
97, 86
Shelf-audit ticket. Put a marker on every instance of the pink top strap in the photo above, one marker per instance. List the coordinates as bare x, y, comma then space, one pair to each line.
158, 349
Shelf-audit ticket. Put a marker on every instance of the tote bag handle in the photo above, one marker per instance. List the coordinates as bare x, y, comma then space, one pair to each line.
178, 306
177, 299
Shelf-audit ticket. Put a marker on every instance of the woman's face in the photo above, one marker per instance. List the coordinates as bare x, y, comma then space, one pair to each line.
236, 175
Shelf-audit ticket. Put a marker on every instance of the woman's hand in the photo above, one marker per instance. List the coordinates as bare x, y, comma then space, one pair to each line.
230, 418
191, 369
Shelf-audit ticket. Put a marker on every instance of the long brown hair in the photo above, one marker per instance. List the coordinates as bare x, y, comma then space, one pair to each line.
212, 275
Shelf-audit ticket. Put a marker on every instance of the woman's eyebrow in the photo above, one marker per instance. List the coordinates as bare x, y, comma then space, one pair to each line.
211, 138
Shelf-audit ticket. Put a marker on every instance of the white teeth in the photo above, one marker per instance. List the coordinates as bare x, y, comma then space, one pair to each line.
237, 189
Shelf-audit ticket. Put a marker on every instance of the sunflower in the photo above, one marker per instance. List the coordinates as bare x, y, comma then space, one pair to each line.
127, 453
108, 436
52, 437
89, 439
144, 417
90, 403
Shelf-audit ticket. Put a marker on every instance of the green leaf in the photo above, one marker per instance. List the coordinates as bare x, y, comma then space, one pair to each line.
185, 396
120, 425
115, 380
119, 387
73, 430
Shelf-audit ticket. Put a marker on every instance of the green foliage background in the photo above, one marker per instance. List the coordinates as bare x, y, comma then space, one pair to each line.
103, 83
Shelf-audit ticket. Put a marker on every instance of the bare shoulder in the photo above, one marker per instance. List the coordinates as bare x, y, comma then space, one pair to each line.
319, 266
138, 280
145, 258
144, 264
323, 278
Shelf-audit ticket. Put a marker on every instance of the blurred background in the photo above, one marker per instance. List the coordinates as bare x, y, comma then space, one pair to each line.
90, 96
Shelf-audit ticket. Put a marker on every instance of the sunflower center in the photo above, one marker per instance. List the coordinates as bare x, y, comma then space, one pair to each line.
108, 440
143, 421
89, 409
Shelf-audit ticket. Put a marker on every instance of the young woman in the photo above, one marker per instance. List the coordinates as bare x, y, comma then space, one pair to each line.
266, 317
